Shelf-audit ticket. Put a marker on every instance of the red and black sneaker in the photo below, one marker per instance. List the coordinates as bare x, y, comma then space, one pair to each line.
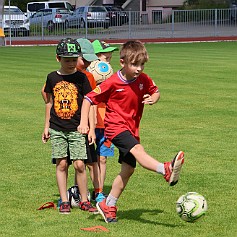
87, 206
108, 212
173, 168
64, 208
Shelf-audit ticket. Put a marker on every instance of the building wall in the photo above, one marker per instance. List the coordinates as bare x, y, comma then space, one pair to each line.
134, 5
164, 3
78, 3
130, 4
165, 6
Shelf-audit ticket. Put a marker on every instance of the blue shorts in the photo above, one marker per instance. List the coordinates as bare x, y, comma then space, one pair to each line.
103, 146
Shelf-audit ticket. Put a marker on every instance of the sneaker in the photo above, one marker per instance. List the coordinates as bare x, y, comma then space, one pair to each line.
108, 213
173, 168
99, 197
86, 206
64, 208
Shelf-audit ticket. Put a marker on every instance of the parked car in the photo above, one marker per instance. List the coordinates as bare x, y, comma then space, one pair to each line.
117, 15
14, 21
92, 16
233, 6
33, 7
50, 18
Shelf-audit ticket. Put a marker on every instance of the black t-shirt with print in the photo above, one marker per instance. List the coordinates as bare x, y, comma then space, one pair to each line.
68, 92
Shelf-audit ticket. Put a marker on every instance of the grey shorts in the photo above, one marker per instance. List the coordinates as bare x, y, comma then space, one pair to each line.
62, 142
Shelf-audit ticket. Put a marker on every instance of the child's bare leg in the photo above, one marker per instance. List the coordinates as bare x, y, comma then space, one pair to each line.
170, 170
121, 180
102, 166
143, 158
94, 174
80, 172
61, 175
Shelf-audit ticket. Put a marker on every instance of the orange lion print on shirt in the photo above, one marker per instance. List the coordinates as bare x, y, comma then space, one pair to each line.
65, 99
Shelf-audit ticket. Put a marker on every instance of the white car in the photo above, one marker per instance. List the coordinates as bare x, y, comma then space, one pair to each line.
50, 18
15, 22
90, 16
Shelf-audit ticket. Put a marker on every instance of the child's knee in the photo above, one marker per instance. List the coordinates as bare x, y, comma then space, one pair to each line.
62, 164
137, 148
103, 160
127, 170
79, 166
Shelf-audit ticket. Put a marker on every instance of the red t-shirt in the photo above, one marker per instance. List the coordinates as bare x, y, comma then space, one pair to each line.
123, 101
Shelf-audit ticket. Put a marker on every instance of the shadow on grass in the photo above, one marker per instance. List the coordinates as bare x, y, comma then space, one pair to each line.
139, 215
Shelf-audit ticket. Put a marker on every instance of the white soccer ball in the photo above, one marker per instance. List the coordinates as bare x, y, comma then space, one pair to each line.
191, 206
100, 70
74, 196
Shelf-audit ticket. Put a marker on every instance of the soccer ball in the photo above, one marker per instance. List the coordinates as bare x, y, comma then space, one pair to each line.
100, 70
74, 196
191, 206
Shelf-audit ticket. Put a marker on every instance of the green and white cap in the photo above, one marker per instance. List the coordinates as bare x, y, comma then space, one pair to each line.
103, 47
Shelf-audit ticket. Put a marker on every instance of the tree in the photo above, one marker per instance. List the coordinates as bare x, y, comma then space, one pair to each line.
203, 4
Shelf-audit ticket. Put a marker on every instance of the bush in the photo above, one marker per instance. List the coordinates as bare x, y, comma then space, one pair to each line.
203, 4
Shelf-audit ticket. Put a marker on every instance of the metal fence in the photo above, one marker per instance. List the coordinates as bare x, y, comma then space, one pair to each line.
157, 24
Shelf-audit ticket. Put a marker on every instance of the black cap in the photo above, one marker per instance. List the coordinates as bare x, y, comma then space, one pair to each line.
68, 47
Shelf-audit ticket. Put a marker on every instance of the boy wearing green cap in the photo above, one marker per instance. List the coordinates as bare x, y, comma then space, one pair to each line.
104, 148
103, 50
88, 56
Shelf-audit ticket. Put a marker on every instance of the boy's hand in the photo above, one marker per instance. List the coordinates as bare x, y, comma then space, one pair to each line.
148, 100
91, 136
83, 129
45, 136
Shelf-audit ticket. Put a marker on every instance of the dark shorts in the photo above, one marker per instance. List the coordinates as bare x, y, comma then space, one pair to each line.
125, 141
91, 153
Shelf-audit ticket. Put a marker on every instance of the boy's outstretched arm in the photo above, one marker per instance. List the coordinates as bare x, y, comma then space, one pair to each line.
83, 127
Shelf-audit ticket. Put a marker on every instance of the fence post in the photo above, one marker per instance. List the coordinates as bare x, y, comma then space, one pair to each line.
42, 27
172, 24
215, 30
129, 23
86, 25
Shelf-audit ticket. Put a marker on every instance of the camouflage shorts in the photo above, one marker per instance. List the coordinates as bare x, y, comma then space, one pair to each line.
62, 142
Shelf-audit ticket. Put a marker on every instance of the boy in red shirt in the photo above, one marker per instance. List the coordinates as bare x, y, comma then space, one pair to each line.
125, 94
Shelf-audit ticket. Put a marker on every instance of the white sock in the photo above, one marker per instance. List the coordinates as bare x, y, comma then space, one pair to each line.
160, 169
111, 201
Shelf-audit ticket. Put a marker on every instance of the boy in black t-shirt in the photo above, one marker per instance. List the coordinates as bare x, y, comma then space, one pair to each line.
65, 90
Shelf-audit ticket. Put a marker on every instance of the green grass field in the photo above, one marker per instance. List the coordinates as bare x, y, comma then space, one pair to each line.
197, 113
